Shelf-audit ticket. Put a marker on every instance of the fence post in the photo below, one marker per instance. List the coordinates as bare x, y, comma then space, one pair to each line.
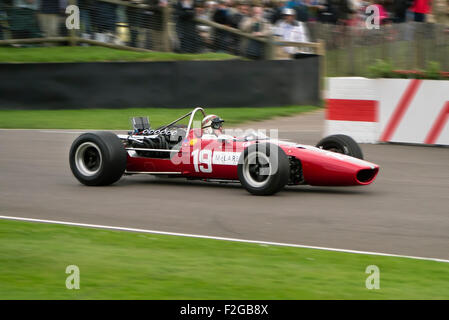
418, 37
350, 45
72, 32
269, 47
443, 45
321, 51
165, 28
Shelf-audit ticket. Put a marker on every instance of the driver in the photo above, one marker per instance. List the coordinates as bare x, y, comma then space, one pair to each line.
212, 125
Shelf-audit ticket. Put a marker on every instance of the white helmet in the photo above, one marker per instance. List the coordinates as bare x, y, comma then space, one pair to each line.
211, 124
288, 12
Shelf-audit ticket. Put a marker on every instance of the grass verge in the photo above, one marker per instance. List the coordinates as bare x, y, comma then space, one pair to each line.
110, 119
96, 54
126, 265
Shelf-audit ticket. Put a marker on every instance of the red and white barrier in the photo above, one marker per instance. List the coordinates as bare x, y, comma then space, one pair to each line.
352, 109
389, 110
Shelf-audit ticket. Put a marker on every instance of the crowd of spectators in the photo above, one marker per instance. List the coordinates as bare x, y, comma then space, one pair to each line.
287, 19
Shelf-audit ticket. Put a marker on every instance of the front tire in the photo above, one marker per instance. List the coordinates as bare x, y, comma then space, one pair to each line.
97, 158
263, 169
341, 143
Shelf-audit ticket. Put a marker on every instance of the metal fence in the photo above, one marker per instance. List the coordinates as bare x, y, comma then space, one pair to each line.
140, 24
157, 25
351, 50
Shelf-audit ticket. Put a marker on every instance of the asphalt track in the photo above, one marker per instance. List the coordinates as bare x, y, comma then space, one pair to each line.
406, 211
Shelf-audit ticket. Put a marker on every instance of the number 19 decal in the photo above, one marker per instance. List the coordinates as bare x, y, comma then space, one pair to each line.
202, 160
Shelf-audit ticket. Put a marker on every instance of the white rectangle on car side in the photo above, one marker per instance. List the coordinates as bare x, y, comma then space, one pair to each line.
226, 158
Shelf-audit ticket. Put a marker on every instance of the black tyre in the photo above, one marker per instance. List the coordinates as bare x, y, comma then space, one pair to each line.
342, 144
97, 159
263, 169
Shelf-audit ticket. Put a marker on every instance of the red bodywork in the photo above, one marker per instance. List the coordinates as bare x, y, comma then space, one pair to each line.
217, 159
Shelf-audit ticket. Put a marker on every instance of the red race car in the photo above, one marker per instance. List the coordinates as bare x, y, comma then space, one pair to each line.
199, 149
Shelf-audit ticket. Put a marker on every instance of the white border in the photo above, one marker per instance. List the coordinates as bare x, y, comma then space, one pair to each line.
219, 238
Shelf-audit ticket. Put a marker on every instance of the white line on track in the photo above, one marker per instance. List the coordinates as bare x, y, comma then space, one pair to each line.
69, 131
219, 238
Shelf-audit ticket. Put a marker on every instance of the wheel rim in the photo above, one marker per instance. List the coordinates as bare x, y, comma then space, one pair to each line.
88, 159
257, 169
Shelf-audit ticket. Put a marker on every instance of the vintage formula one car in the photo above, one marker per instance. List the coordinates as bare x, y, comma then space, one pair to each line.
200, 150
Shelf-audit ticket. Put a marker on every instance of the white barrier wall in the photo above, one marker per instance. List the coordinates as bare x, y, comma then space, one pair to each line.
352, 109
390, 110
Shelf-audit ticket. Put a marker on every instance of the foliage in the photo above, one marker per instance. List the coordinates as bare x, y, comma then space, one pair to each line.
384, 69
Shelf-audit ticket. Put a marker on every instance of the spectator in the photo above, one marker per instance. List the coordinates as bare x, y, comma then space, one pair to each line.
302, 10
399, 11
186, 27
85, 17
206, 12
221, 16
383, 14
288, 29
23, 20
145, 24
135, 19
278, 6
49, 18
203, 30
209, 10
3, 17
326, 11
343, 11
257, 26
269, 10
420, 8
239, 15
354, 7
235, 20
104, 20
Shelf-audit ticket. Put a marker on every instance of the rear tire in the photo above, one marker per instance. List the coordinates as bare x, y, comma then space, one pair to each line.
341, 143
263, 169
97, 158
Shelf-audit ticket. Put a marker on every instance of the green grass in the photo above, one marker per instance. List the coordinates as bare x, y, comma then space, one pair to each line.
119, 118
95, 54
126, 265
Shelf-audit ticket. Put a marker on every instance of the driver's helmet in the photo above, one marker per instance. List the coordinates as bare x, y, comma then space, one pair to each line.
212, 124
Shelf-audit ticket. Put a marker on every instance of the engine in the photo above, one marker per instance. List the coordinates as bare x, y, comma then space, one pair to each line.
156, 139
164, 138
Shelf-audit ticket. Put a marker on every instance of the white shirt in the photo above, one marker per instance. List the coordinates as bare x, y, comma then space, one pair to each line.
292, 33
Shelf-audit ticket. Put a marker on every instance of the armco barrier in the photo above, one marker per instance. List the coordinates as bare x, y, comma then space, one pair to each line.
389, 110
231, 83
